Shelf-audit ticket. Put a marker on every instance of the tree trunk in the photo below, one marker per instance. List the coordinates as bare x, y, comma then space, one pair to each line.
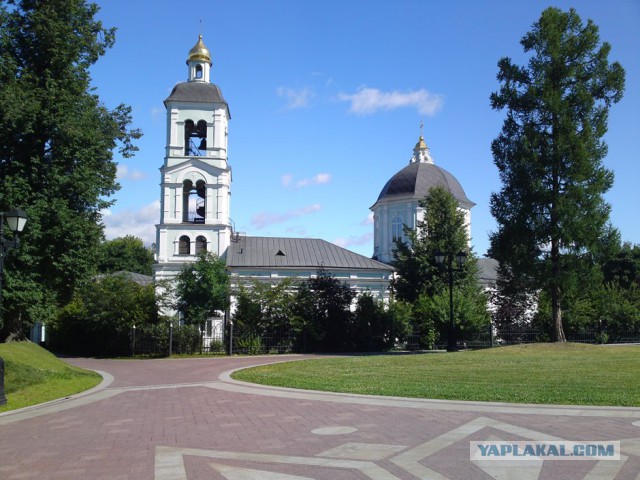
556, 309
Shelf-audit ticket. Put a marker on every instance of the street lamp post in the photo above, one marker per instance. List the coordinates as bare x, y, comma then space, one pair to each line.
460, 257
16, 220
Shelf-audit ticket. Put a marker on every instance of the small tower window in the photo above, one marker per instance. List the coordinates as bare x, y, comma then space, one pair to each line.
184, 246
397, 225
201, 244
198, 71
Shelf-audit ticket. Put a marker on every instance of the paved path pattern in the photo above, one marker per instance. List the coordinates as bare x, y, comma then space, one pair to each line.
185, 419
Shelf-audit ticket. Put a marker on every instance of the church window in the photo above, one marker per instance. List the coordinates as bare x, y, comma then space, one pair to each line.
201, 244
184, 245
397, 226
198, 71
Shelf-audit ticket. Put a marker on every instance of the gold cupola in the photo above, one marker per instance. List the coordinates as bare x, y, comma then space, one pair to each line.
199, 52
421, 145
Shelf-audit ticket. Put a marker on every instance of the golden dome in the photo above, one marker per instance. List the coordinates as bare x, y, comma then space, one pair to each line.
199, 52
421, 144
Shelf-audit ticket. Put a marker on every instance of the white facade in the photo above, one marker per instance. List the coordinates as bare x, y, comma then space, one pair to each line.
195, 177
398, 203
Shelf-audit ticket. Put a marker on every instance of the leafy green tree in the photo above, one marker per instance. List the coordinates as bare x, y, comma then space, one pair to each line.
126, 253
375, 327
423, 327
324, 304
401, 314
202, 289
471, 314
99, 318
56, 149
549, 154
265, 308
623, 267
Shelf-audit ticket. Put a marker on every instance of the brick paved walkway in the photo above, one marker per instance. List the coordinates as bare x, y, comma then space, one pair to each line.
185, 419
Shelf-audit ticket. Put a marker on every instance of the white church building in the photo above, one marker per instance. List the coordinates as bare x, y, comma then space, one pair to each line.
196, 192
195, 201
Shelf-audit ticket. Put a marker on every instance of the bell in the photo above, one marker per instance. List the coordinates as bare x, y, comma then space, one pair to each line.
203, 144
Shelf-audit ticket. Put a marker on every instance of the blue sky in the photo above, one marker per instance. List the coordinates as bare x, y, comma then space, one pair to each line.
326, 101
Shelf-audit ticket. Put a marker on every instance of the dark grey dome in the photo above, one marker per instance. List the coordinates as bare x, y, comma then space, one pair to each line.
416, 179
196, 92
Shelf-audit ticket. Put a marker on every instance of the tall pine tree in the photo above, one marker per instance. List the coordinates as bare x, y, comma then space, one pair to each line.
56, 150
422, 282
442, 229
549, 154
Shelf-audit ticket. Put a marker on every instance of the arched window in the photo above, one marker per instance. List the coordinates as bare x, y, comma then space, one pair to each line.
184, 246
198, 71
397, 225
201, 244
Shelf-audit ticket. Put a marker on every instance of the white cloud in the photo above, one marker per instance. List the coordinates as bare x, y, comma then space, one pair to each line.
286, 179
123, 173
369, 220
298, 231
264, 219
352, 241
318, 179
296, 98
140, 223
367, 101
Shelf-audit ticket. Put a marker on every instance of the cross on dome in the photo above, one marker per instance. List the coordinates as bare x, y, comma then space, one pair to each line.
421, 151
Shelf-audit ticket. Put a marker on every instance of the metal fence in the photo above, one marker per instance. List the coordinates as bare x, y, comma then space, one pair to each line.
266, 344
190, 340
167, 340
519, 336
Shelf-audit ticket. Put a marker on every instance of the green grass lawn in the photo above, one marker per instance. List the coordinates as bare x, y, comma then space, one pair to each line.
32, 375
572, 374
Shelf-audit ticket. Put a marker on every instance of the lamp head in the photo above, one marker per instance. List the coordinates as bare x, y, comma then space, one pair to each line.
16, 219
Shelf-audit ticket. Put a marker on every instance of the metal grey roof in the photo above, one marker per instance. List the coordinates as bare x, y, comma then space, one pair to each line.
416, 179
138, 278
281, 252
488, 271
196, 92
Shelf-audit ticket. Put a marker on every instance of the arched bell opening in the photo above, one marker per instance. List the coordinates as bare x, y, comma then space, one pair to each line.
195, 138
193, 201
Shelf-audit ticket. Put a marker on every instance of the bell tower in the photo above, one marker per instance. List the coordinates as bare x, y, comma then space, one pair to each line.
195, 177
